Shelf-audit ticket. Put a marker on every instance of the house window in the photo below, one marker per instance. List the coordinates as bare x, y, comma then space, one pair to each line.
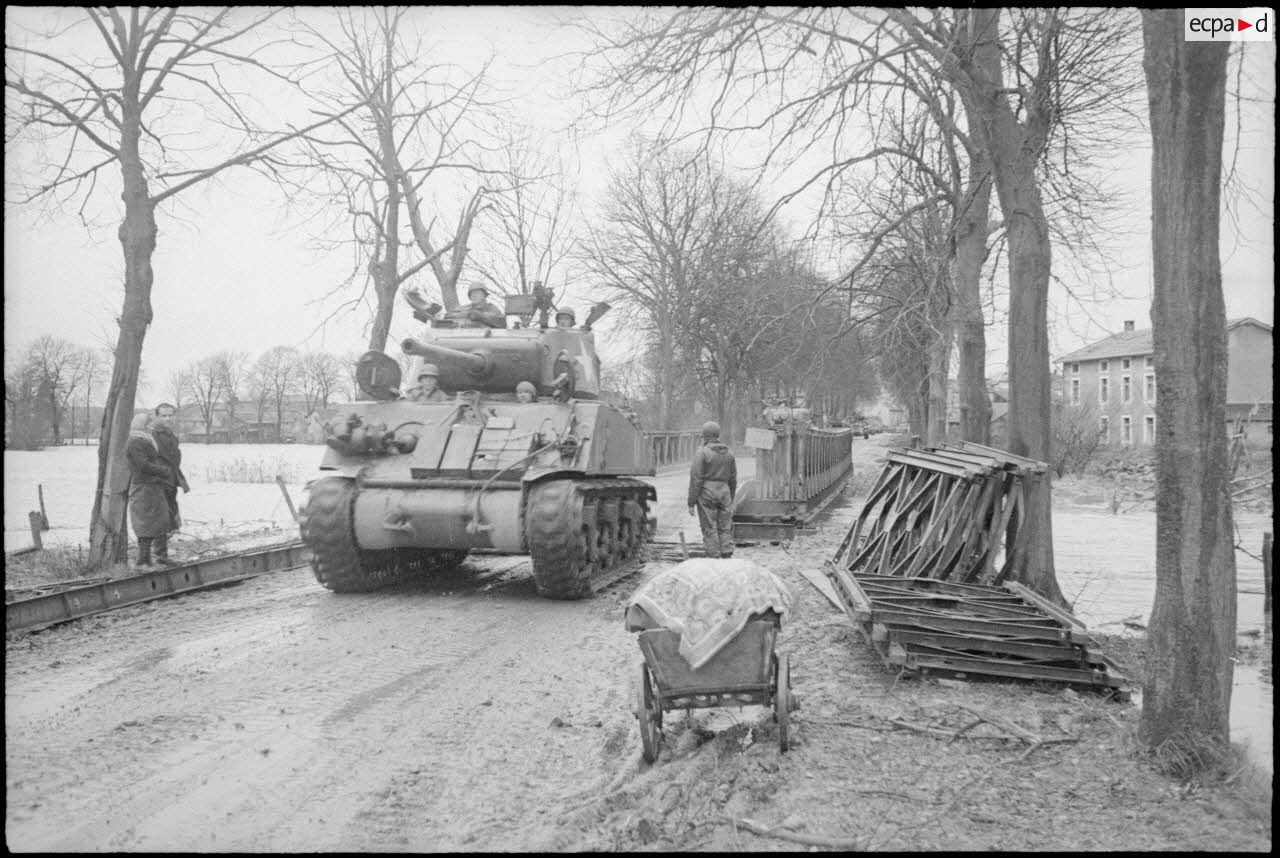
1104, 366
1124, 363
1075, 391
1075, 369
1126, 430
1104, 390
1151, 361
1125, 389
1149, 429
1149, 387
1104, 429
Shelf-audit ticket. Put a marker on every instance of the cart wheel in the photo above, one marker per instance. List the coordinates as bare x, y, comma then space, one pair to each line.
782, 697
649, 713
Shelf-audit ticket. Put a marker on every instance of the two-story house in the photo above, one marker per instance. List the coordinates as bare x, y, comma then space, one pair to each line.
1114, 379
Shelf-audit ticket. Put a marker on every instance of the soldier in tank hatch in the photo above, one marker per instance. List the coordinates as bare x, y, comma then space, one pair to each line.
427, 389
526, 392
480, 313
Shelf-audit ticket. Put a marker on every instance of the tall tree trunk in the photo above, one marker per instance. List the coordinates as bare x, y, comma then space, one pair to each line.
936, 401
970, 330
1015, 149
1187, 694
108, 536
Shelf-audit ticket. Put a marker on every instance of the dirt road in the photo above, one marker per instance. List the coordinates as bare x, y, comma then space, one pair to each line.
458, 713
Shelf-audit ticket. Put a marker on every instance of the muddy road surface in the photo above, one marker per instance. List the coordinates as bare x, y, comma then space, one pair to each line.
459, 713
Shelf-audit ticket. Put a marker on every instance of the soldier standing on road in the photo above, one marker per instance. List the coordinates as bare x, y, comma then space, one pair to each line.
148, 476
713, 480
167, 445
479, 313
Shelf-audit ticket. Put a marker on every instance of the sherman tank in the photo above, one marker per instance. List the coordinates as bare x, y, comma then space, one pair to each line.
412, 486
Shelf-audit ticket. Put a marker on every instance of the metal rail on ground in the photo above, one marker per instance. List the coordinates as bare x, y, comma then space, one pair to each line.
48, 609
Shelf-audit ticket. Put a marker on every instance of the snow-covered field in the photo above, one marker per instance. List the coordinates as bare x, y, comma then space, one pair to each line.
215, 506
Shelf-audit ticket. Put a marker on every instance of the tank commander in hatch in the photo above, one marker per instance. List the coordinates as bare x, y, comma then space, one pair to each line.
526, 392
565, 318
480, 313
427, 389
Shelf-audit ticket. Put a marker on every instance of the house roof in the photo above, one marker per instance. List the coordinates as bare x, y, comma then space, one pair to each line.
1129, 343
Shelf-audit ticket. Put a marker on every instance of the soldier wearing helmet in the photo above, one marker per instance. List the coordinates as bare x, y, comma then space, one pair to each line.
565, 318
526, 392
427, 390
713, 481
480, 313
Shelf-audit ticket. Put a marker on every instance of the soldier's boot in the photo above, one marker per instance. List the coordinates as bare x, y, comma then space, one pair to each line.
144, 551
162, 551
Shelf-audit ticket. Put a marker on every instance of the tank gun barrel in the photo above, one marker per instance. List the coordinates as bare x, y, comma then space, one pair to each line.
476, 364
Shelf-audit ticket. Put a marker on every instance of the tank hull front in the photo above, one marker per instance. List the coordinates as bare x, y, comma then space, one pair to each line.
437, 517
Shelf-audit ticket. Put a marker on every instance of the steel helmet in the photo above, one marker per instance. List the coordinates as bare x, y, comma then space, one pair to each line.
711, 429
477, 287
573, 320
428, 369
526, 387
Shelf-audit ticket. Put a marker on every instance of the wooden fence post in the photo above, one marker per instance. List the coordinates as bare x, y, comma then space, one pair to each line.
35, 520
44, 518
285, 491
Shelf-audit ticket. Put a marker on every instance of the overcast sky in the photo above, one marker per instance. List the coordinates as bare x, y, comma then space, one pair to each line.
235, 270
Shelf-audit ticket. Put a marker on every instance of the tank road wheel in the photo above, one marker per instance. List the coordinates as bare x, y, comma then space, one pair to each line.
555, 530
326, 525
608, 538
633, 525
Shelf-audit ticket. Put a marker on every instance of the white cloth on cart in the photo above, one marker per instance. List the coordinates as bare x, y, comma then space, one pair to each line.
708, 602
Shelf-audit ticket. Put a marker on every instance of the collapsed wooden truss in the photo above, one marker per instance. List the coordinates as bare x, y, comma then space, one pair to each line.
920, 573
952, 512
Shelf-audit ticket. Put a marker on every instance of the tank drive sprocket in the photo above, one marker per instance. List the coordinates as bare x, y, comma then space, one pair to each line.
338, 563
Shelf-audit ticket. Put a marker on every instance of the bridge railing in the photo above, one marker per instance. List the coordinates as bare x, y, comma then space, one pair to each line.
803, 464
672, 448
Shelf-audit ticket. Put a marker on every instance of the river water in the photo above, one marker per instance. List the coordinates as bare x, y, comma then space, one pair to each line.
1120, 583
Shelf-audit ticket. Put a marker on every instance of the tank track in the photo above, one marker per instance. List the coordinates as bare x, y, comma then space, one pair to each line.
579, 531
338, 563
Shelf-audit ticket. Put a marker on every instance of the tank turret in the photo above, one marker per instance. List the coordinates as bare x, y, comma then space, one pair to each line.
557, 360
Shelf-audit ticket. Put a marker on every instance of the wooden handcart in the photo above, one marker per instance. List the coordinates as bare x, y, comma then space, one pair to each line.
746, 671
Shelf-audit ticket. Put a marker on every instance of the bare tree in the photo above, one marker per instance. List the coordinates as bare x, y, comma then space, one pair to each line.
96, 367
124, 108
527, 230
321, 377
1187, 694
233, 366
416, 130
58, 369
205, 381
177, 387
276, 374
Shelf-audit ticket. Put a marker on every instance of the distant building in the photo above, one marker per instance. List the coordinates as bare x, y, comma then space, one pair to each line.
251, 425
1116, 378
